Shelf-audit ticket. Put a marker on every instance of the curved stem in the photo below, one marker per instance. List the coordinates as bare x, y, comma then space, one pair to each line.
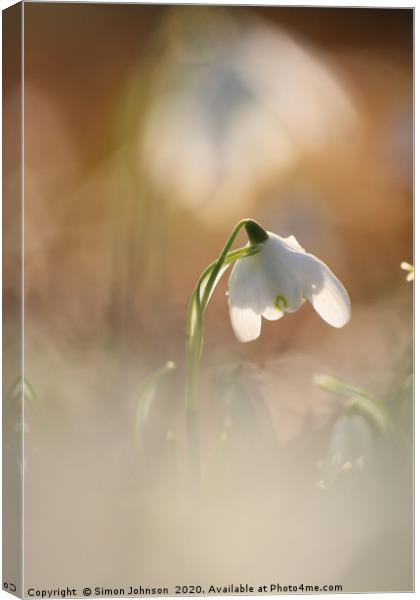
196, 307
198, 303
195, 312
219, 262
194, 342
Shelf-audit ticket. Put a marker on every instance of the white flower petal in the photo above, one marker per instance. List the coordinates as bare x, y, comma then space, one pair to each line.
244, 283
267, 295
293, 243
245, 298
245, 322
271, 313
282, 273
324, 291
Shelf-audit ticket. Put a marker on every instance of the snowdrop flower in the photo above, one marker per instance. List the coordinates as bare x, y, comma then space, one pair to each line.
277, 280
351, 448
405, 266
351, 442
270, 276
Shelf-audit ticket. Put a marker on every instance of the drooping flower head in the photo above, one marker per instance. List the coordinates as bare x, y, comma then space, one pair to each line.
277, 280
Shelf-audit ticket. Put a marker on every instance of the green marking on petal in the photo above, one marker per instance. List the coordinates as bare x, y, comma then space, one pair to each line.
280, 302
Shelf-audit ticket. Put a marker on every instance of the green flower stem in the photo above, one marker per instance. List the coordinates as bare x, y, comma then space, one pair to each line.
200, 303
196, 307
194, 330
